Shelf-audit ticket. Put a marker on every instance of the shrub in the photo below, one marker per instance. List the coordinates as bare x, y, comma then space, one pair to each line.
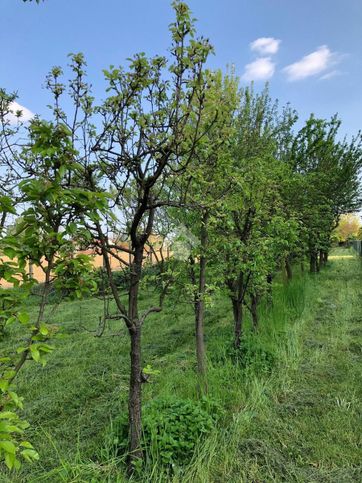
171, 429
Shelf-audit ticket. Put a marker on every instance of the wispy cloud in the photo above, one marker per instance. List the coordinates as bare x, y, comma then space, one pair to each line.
260, 69
26, 114
329, 75
312, 64
265, 45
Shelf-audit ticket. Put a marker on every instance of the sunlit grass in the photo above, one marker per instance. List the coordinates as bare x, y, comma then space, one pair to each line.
339, 257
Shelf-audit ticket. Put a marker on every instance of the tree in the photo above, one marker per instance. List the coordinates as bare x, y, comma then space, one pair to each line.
348, 227
253, 208
42, 236
150, 126
326, 174
204, 186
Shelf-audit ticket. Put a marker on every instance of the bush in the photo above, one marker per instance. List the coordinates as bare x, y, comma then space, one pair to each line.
171, 429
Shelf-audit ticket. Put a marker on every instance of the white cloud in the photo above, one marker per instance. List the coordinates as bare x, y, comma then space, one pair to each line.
331, 74
265, 45
27, 115
260, 69
312, 64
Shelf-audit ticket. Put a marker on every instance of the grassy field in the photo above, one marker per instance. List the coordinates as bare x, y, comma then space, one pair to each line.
293, 413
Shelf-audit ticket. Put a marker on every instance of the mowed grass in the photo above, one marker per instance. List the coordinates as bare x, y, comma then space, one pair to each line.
292, 414
308, 426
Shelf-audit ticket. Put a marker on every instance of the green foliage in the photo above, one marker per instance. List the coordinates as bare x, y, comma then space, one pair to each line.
251, 355
326, 182
41, 236
172, 428
75, 275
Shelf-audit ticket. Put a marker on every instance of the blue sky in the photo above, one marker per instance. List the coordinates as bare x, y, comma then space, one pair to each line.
310, 51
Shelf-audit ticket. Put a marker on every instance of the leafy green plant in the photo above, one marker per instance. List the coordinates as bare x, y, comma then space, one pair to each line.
171, 429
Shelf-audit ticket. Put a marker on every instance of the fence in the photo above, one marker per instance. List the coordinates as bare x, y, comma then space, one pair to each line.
357, 245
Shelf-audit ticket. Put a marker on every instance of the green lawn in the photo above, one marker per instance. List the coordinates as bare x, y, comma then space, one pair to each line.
293, 414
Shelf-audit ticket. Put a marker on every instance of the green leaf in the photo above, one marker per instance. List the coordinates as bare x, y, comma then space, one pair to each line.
43, 330
26, 444
8, 447
35, 354
10, 460
4, 385
23, 317
30, 455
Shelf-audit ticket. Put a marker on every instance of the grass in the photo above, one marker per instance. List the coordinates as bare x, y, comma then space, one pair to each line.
292, 414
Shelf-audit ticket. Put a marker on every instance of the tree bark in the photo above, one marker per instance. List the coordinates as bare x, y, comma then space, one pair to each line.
135, 397
135, 386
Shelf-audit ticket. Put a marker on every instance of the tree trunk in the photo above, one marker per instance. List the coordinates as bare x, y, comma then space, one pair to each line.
200, 307
238, 321
254, 312
288, 268
313, 262
135, 386
135, 397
